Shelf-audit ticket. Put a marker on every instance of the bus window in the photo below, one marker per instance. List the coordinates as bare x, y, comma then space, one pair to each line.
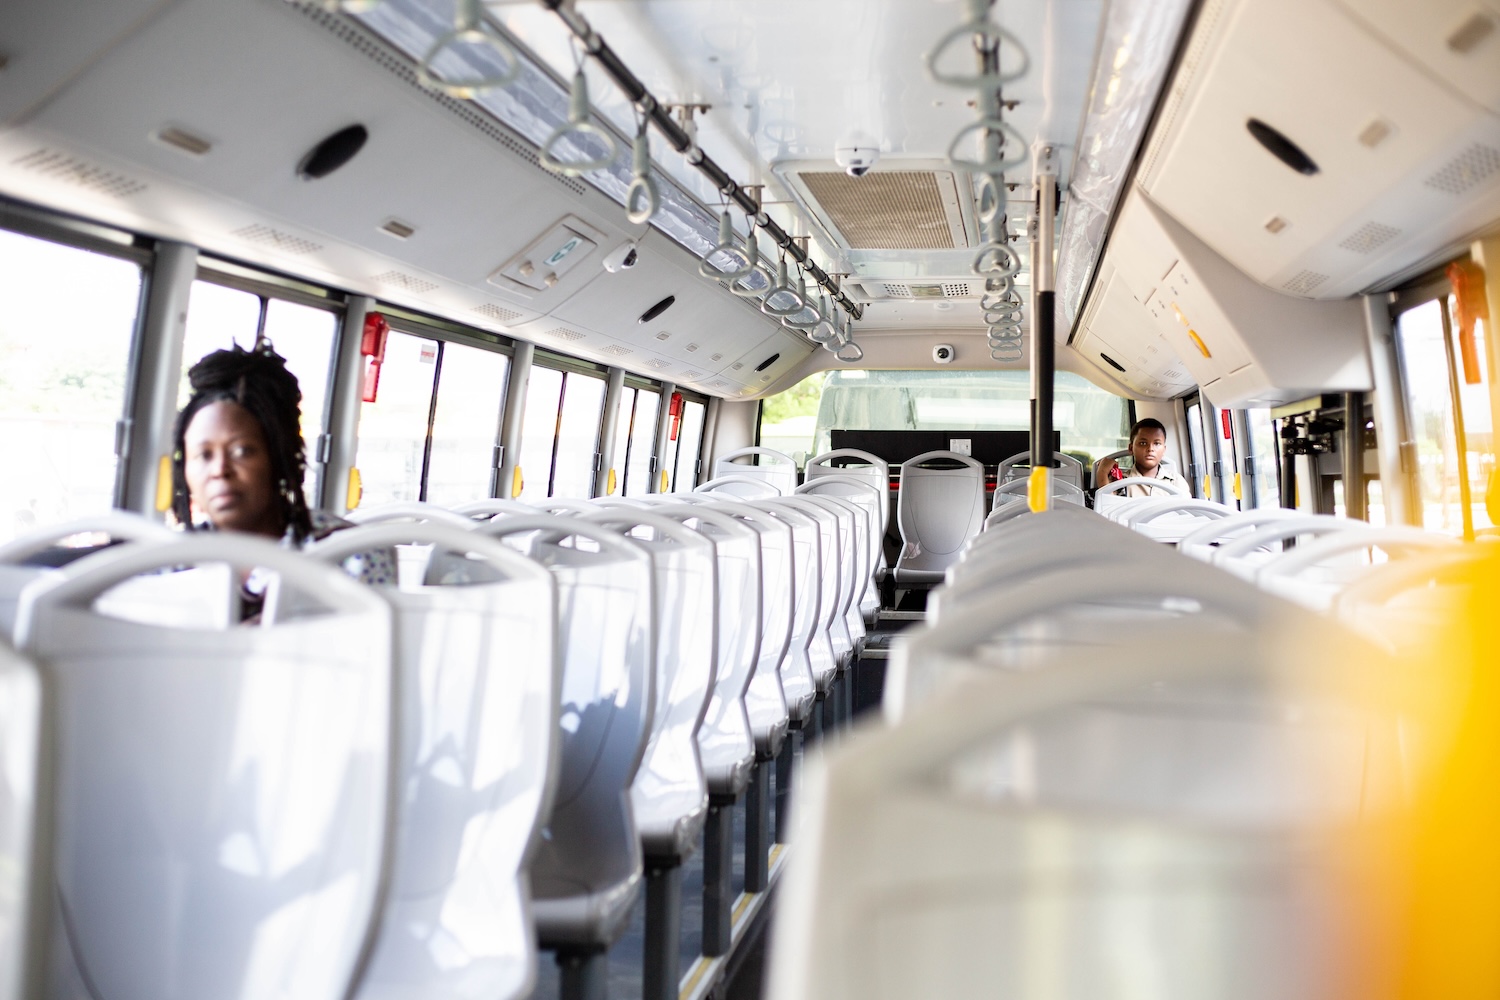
642, 443
393, 429
1265, 484
539, 432
788, 420
65, 338
1474, 413
1197, 454
577, 436
465, 423
1425, 375
217, 319
684, 471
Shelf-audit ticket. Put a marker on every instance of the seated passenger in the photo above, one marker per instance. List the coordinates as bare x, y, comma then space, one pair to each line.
1148, 446
238, 461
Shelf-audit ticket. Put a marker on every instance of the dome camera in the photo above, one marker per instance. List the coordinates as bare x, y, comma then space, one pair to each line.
621, 258
856, 159
943, 354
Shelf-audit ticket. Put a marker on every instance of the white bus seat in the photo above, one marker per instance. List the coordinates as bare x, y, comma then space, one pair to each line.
1018, 468
669, 796
1399, 603
871, 468
765, 700
854, 572
1110, 500
725, 741
409, 511
1246, 553
870, 497
1020, 826
1060, 489
775, 467
1007, 510
1190, 592
1169, 519
17, 568
222, 801
840, 565
476, 671
798, 685
1201, 542
1314, 573
938, 510
823, 579
568, 505
25, 828
493, 507
740, 487
586, 873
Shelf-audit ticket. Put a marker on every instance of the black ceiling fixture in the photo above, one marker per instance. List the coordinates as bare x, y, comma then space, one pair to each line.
657, 309
1281, 147
333, 152
767, 363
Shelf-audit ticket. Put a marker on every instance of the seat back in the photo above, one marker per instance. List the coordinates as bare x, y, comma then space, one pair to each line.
477, 680
1060, 490
871, 498
765, 699
871, 467
586, 871
1203, 540
725, 741
740, 487
938, 510
848, 627
830, 644
669, 795
222, 808
25, 829
775, 467
19, 558
493, 506
804, 573
1018, 467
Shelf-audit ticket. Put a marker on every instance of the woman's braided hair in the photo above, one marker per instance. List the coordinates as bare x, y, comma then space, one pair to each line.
257, 380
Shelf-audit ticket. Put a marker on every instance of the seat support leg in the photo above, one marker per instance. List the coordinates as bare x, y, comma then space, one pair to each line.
758, 829
784, 782
584, 974
718, 864
662, 969
813, 727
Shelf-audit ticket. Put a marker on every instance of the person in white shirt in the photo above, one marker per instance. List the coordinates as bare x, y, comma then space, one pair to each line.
1148, 446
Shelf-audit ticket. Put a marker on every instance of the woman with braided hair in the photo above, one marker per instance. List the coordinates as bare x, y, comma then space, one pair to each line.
238, 460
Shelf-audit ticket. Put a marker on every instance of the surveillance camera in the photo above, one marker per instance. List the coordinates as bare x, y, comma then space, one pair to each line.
942, 353
856, 159
621, 258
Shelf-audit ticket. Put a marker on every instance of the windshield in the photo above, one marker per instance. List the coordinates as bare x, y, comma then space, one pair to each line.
1092, 422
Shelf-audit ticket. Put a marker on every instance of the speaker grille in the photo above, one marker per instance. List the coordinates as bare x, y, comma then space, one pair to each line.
1466, 170
59, 166
406, 282
276, 239
499, 314
1303, 282
1368, 237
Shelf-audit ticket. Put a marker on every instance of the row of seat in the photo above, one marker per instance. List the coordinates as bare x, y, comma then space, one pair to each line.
382, 791
1108, 767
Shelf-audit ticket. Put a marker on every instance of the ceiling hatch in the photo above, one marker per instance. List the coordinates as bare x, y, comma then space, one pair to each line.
889, 209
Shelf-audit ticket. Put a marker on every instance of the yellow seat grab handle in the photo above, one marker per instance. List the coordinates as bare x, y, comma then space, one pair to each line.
517, 482
1039, 489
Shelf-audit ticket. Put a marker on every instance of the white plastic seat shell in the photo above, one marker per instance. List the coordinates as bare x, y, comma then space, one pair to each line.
740, 487
222, 816
477, 675
25, 828
938, 510
775, 467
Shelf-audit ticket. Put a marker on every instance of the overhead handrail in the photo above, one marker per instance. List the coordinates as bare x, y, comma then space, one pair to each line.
989, 167
643, 197
824, 329
782, 288
469, 28
727, 245
986, 35
578, 124
795, 320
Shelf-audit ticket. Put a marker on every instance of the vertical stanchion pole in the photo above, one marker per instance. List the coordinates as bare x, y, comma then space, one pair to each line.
1043, 333
758, 829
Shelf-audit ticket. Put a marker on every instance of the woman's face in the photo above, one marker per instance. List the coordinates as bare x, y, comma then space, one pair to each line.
228, 470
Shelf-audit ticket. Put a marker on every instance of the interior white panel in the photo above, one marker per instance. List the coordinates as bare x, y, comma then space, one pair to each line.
1436, 34
1311, 70
1117, 325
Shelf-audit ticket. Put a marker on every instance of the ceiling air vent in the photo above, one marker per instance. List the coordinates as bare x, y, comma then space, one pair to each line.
563, 333
499, 314
659, 364
1369, 237
897, 291
58, 166
1467, 169
618, 350
891, 209
1303, 282
276, 239
406, 282
691, 376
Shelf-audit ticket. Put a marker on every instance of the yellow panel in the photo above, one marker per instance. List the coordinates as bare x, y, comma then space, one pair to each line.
164, 483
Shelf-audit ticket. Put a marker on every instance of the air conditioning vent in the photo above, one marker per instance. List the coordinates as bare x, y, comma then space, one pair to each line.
691, 376
1368, 237
499, 314
1466, 170
563, 333
716, 357
406, 282
276, 239
618, 350
897, 291
659, 364
911, 205
1303, 282
58, 166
